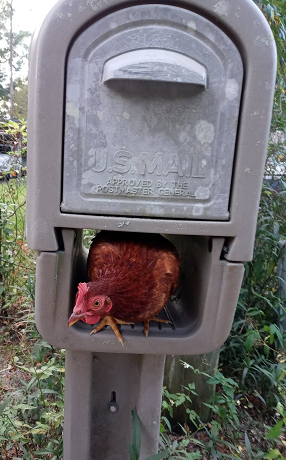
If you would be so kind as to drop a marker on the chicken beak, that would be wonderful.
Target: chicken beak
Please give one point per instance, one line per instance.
(75, 318)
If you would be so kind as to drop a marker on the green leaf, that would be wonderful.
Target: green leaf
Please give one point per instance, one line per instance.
(136, 434)
(48, 391)
(25, 407)
(167, 423)
(280, 408)
(193, 455)
(45, 452)
(232, 382)
(250, 340)
(196, 441)
(193, 416)
(222, 412)
(275, 431)
(180, 400)
(37, 439)
(274, 330)
(132, 453)
(192, 386)
(4, 405)
(274, 453)
(247, 444)
(212, 406)
(159, 456)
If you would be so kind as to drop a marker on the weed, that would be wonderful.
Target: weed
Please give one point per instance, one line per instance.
(31, 416)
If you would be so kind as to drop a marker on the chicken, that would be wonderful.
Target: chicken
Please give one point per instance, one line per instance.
(131, 276)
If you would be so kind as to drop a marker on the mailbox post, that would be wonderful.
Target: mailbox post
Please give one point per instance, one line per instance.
(145, 118)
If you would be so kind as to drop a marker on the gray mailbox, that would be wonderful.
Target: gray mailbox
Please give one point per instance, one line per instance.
(144, 118)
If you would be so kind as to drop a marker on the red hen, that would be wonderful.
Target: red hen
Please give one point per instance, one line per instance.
(131, 277)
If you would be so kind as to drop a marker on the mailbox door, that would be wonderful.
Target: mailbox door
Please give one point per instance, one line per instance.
(200, 314)
(152, 104)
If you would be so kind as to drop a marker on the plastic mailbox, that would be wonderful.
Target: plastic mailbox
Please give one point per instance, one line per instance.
(145, 118)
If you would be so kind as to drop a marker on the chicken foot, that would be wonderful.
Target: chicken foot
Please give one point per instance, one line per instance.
(158, 320)
(112, 322)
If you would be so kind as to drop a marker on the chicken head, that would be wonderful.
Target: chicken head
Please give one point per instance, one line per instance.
(89, 306)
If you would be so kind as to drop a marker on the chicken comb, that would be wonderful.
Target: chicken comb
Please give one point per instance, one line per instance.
(82, 288)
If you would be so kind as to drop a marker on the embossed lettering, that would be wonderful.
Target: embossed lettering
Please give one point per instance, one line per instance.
(121, 159)
(186, 165)
(173, 166)
(195, 168)
(178, 184)
(157, 164)
(161, 183)
(151, 165)
(176, 192)
(100, 160)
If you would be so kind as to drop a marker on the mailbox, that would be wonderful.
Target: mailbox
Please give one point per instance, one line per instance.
(148, 118)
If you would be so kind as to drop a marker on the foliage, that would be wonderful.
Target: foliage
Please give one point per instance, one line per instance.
(16, 266)
(170, 450)
(256, 346)
(5, 13)
(21, 98)
(31, 411)
(15, 135)
(9, 39)
(174, 449)
(233, 431)
(275, 13)
(31, 417)
(88, 236)
(4, 89)
(254, 354)
(177, 399)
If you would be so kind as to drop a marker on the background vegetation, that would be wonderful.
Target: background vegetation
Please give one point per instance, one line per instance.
(13, 51)
(249, 405)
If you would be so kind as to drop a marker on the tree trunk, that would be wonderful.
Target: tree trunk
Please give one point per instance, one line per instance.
(176, 376)
(11, 62)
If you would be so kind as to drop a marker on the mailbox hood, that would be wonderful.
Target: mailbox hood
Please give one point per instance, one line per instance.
(151, 116)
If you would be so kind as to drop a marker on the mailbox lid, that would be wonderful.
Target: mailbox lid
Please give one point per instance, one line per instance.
(152, 104)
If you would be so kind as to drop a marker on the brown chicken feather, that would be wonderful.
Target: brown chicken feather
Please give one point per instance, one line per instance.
(137, 273)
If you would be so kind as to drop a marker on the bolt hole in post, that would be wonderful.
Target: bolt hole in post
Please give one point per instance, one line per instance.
(113, 406)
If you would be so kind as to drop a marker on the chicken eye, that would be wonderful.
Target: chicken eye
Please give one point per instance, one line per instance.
(96, 303)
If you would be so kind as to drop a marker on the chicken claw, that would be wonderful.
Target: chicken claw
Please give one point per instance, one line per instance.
(112, 322)
(158, 320)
